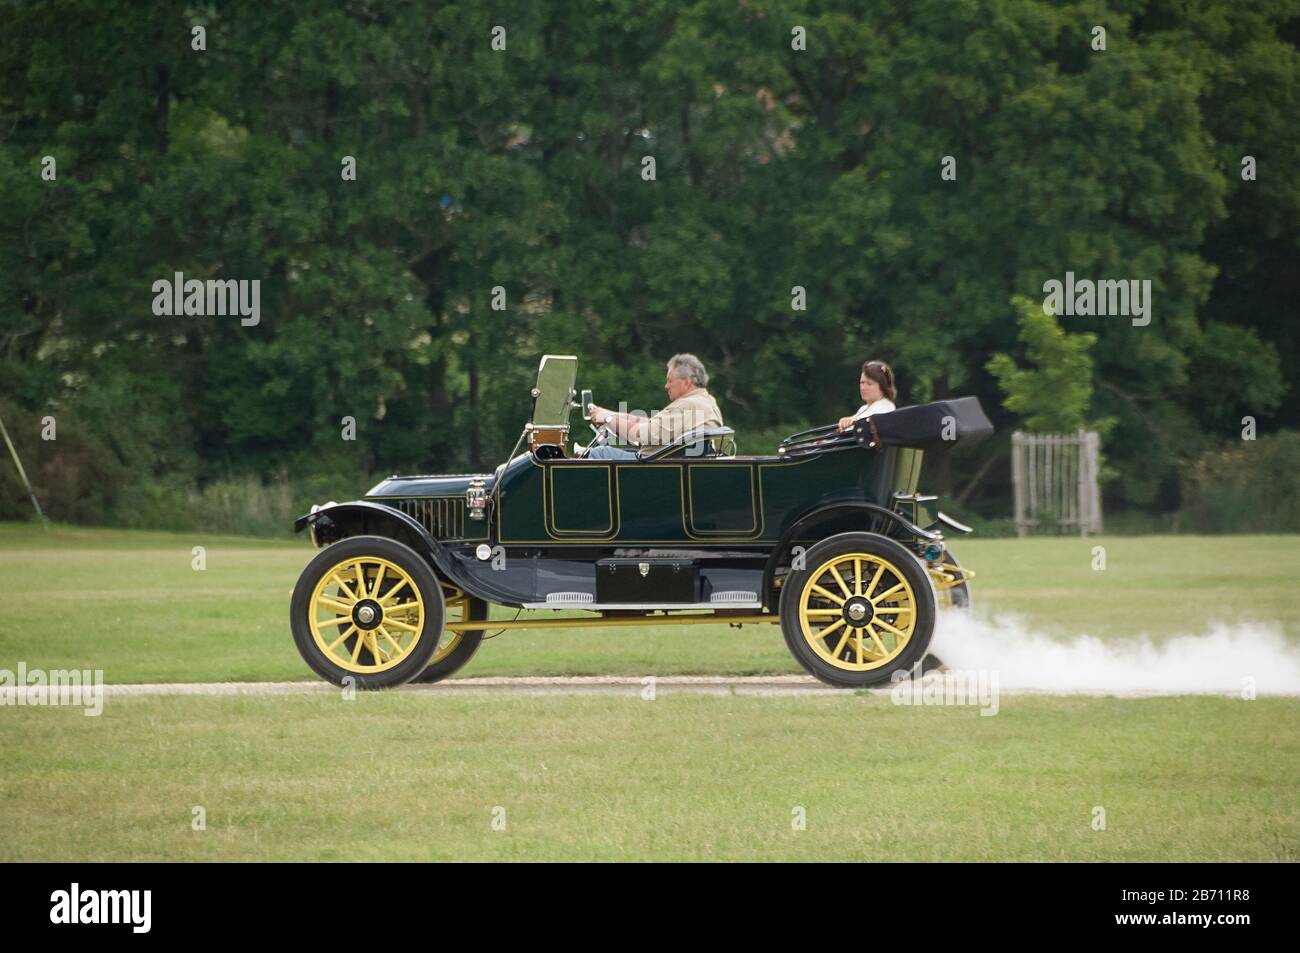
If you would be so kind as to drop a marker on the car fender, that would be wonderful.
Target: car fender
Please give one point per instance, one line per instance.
(829, 520)
(363, 518)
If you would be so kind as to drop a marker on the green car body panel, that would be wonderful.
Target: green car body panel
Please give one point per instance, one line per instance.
(680, 501)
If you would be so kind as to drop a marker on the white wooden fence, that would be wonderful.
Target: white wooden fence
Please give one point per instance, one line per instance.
(1055, 478)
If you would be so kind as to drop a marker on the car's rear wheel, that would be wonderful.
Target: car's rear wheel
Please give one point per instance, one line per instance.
(860, 610)
(369, 609)
(456, 648)
(951, 592)
(951, 583)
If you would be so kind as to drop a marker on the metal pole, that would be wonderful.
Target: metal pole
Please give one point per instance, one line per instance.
(1018, 479)
(23, 473)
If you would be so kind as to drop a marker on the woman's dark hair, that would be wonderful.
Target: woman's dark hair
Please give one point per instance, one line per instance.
(882, 374)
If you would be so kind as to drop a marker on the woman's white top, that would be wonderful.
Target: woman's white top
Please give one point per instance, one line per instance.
(882, 406)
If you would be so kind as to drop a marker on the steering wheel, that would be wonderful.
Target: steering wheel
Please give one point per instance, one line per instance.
(603, 435)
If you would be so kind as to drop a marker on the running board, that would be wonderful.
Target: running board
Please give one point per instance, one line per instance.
(726, 599)
(745, 604)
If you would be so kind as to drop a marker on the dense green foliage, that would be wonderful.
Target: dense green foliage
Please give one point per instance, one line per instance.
(522, 168)
(1246, 488)
(1053, 395)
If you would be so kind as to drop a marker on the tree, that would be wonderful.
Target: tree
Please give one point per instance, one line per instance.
(1053, 392)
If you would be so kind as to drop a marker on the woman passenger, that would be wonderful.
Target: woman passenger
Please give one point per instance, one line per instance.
(876, 387)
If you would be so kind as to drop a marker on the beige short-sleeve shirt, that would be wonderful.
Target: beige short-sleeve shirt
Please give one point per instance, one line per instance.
(693, 411)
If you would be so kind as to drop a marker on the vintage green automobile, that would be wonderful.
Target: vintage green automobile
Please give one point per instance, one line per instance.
(827, 537)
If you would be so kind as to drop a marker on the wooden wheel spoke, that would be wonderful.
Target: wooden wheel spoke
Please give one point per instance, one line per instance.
(875, 580)
(828, 629)
(827, 594)
(344, 586)
(839, 647)
(337, 642)
(334, 605)
(888, 592)
(337, 620)
(840, 581)
(899, 633)
(398, 623)
(397, 646)
(875, 637)
(392, 592)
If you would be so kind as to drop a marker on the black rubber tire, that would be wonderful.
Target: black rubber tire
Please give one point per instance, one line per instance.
(463, 652)
(422, 576)
(841, 545)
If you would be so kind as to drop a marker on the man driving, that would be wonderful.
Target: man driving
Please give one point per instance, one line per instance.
(691, 408)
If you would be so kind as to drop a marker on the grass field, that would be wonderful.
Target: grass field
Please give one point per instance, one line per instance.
(418, 775)
(130, 603)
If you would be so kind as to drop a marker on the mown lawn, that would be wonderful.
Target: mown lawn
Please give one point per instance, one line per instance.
(130, 603)
(422, 777)
(410, 776)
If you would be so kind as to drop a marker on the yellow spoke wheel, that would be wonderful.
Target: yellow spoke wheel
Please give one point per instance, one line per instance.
(857, 611)
(369, 609)
(861, 609)
(367, 614)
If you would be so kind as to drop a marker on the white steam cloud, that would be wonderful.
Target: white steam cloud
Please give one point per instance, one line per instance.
(1219, 661)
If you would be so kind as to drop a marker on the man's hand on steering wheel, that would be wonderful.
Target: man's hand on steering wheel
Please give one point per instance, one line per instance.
(596, 417)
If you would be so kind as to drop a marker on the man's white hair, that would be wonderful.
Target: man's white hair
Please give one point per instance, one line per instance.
(688, 367)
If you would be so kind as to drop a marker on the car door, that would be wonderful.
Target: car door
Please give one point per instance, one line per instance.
(722, 500)
(580, 501)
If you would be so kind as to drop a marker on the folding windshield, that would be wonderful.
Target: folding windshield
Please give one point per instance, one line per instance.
(553, 396)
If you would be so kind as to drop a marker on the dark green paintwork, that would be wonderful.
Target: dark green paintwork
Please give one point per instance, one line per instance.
(682, 501)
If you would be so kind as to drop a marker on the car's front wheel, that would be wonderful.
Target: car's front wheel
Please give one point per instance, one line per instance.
(367, 608)
(861, 609)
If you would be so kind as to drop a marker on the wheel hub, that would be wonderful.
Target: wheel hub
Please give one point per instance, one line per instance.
(367, 614)
(858, 611)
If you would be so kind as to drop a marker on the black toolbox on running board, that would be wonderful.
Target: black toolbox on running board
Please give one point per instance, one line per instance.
(654, 580)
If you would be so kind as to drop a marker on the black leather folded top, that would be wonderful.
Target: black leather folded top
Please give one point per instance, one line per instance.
(943, 425)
